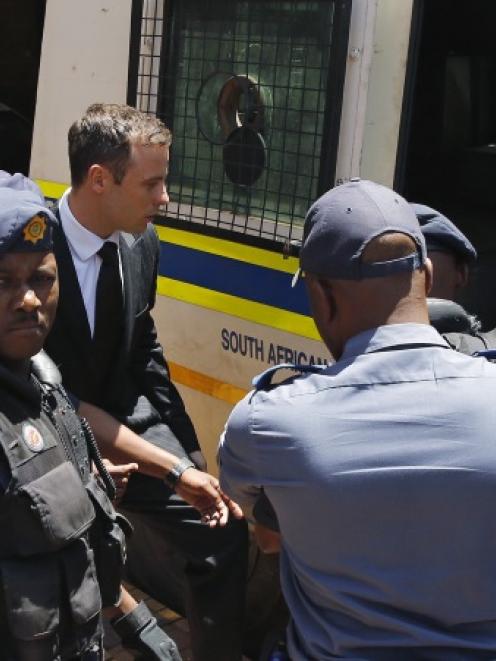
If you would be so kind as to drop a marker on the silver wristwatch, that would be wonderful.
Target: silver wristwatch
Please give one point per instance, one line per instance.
(174, 475)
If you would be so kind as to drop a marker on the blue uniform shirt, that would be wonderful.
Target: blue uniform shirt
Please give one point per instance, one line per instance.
(382, 473)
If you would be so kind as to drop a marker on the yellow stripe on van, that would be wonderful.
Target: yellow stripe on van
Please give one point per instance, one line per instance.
(290, 322)
(230, 249)
(52, 189)
(206, 384)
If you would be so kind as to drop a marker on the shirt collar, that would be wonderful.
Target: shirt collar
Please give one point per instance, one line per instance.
(390, 336)
(83, 243)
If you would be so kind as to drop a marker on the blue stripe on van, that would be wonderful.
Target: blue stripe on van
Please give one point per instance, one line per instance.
(230, 276)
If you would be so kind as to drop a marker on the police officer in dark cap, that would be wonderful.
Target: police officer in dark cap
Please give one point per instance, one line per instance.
(61, 545)
(449, 250)
(452, 255)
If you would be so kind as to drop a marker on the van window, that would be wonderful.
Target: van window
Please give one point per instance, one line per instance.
(252, 92)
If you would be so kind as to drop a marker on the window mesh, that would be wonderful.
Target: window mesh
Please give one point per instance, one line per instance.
(244, 86)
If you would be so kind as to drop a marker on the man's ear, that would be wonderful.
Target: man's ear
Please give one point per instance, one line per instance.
(322, 299)
(429, 276)
(98, 178)
(462, 272)
(330, 299)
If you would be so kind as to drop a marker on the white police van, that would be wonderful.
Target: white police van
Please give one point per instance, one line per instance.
(270, 102)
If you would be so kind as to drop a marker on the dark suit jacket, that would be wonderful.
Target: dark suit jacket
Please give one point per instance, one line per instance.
(139, 391)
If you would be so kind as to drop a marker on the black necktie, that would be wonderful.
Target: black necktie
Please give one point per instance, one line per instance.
(108, 309)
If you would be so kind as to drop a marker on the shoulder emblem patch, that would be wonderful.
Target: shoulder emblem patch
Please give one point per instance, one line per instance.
(32, 438)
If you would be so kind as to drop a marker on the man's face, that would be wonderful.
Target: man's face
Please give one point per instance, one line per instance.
(130, 205)
(28, 302)
(449, 275)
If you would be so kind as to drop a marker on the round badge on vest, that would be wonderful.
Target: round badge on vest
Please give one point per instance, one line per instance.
(32, 438)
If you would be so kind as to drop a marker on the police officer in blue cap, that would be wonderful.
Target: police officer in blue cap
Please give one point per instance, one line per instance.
(381, 467)
(56, 519)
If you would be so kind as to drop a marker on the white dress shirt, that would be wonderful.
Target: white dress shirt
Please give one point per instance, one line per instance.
(84, 246)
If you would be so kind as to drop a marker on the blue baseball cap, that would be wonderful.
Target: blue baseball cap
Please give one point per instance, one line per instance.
(442, 235)
(341, 224)
(25, 220)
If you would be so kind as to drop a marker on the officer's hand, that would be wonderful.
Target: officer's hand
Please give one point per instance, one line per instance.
(120, 474)
(198, 459)
(203, 492)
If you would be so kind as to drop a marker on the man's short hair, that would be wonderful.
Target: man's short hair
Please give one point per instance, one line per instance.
(104, 135)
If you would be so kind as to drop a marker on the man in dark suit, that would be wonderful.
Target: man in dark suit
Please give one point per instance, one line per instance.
(105, 343)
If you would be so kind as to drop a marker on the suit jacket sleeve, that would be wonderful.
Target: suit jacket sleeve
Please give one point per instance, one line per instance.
(150, 369)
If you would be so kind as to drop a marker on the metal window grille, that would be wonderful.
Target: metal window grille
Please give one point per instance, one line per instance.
(252, 92)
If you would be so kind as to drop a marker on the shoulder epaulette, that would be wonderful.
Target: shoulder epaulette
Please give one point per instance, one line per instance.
(264, 380)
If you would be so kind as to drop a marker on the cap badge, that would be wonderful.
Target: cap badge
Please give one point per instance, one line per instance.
(35, 229)
(32, 438)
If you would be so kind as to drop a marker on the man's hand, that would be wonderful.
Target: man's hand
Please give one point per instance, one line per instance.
(120, 474)
(203, 492)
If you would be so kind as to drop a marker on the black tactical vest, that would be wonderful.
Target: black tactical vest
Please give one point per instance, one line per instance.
(459, 329)
(49, 512)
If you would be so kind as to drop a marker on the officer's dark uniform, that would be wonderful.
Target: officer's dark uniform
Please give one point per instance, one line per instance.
(51, 597)
(61, 547)
(460, 329)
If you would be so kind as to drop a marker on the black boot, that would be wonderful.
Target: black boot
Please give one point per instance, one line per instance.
(140, 632)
